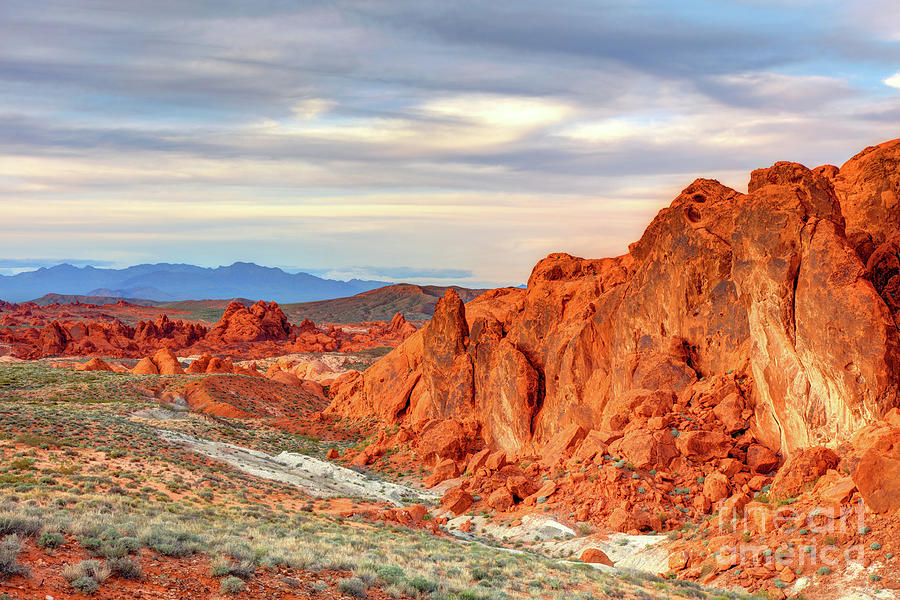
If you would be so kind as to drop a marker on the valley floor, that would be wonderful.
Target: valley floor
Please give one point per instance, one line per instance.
(105, 493)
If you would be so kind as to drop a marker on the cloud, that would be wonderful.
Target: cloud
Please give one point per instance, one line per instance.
(469, 139)
(311, 108)
(893, 81)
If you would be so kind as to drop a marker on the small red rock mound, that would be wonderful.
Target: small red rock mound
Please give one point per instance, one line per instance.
(213, 364)
(595, 555)
(164, 362)
(802, 470)
(95, 364)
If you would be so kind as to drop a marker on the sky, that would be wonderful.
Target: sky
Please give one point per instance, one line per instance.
(416, 140)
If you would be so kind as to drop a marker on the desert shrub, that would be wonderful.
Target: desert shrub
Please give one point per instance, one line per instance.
(126, 567)
(51, 539)
(231, 585)
(12, 523)
(353, 586)
(86, 576)
(222, 567)
(422, 584)
(94, 569)
(85, 585)
(10, 546)
(391, 573)
(177, 544)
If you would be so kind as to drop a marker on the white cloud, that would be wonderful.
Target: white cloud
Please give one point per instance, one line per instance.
(311, 108)
(500, 111)
(893, 81)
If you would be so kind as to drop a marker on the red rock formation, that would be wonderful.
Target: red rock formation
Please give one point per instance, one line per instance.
(95, 364)
(164, 362)
(595, 555)
(877, 472)
(868, 187)
(264, 321)
(261, 330)
(764, 284)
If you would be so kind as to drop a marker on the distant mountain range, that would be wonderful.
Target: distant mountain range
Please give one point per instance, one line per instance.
(164, 282)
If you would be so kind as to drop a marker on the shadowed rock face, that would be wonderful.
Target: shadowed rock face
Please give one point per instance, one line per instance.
(765, 284)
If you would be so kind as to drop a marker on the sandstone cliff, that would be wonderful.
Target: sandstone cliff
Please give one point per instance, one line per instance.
(790, 289)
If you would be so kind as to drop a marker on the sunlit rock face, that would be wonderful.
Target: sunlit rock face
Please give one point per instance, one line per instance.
(789, 288)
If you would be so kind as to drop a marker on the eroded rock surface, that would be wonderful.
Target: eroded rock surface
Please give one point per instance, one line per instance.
(766, 285)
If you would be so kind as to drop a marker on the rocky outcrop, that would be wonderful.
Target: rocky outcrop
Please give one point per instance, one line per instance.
(767, 286)
(107, 338)
(877, 464)
(264, 321)
(258, 331)
(868, 187)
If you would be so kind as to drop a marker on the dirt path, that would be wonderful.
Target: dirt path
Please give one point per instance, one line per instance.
(316, 477)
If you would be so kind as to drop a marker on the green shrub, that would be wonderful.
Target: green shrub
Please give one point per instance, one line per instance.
(391, 573)
(126, 567)
(231, 585)
(221, 567)
(173, 543)
(85, 585)
(354, 586)
(51, 539)
(422, 584)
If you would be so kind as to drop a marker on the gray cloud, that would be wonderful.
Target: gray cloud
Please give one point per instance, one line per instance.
(139, 122)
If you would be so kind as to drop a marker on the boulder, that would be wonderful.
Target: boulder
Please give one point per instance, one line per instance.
(501, 499)
(646, 449)
(760, 459)
(520, 486)
(877, 474)
(563, 443)
(730, 412)
(596, 556)
(703, 446)
(716, 487)
(445, 438)
(495, 461)
(800, 472)
(445, 469)
(621, 520)
(457, 500)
